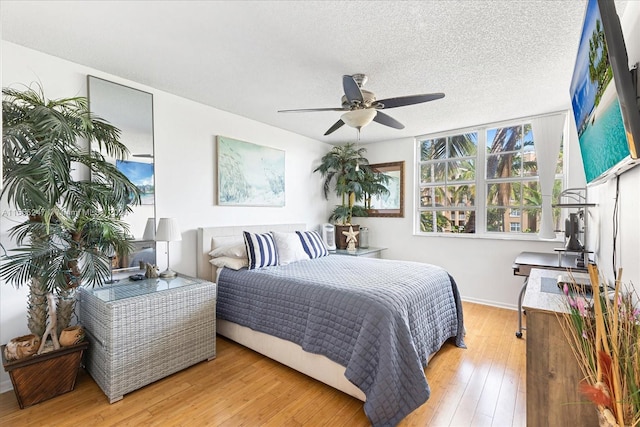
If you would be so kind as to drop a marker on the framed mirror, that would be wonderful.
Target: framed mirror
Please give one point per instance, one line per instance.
(390, 204)
(131, 111)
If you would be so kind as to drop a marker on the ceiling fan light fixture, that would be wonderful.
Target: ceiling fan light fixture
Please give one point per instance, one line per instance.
(359, 118)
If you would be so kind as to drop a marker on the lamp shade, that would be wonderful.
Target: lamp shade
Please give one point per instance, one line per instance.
(168, 230)
(359, 118)
(150, 230)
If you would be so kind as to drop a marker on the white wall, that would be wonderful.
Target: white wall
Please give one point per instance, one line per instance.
(185, 167)
(628, 245)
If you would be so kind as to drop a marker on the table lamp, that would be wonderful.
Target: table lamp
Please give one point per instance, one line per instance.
(150, 230)
(168, 232)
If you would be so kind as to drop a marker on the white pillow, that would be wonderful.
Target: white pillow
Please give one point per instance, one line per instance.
(232, 263)
(289, 248)
(237, 250)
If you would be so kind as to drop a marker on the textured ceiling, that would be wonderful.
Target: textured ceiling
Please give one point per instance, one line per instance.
(494, 60)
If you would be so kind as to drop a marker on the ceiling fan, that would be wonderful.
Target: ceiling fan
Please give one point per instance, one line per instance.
(361, 106)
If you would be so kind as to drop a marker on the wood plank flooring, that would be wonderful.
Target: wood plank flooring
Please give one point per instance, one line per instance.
(481, 385)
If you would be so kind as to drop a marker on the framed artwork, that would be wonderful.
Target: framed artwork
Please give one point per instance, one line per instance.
(141, 175)
(249, 174)
(392, 203)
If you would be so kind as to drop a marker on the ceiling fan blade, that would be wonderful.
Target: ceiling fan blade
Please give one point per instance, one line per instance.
(401, 101)
(337, 125)
(351, 89)
(387, 120)
(306, 110)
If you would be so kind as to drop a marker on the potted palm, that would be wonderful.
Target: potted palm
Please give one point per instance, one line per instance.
(72, 223)
(346, 172)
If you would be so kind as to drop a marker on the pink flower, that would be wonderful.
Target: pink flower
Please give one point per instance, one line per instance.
(581, 307)
(565, 289)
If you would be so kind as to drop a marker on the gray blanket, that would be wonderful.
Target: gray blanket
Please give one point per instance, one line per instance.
(381, 319)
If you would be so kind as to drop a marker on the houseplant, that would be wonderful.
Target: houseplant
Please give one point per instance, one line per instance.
(604, 334)
(344, 170)
(73, 220)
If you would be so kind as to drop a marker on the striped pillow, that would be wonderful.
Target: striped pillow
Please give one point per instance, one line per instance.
(312, 244)
(261, 250)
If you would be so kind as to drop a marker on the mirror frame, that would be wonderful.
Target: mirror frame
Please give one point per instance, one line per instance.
(140, 244)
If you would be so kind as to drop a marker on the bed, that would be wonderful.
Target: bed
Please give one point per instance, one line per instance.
(377, 333)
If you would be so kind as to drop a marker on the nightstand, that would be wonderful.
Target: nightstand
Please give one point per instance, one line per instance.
(370, 252)
(144, 330)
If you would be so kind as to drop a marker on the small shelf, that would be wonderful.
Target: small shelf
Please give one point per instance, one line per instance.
(574, 251)
(574, 205)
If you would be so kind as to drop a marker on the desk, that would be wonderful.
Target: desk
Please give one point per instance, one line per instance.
(525, 261)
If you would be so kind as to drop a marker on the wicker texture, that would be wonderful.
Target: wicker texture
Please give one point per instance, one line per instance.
(140, 339)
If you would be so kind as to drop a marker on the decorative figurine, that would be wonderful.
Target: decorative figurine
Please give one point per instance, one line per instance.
(151, 271)
(24, 346)
(351, 239)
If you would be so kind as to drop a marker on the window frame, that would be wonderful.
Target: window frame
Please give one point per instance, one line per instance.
(481, 182)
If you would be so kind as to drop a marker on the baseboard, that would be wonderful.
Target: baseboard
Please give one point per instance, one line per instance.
(491, 303)
(5, 386)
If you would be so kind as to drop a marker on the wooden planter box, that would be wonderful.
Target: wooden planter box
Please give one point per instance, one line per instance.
(38, 378)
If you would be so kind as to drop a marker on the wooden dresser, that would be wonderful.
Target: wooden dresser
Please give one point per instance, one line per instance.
(553, 373)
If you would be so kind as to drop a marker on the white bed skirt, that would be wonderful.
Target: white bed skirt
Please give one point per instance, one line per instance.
(288, 353)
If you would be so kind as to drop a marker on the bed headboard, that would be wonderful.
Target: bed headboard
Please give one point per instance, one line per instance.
(207, 234)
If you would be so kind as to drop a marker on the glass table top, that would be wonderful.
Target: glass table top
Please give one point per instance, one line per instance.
(127, 288)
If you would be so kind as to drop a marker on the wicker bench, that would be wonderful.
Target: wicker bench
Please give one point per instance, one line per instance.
(142, 331)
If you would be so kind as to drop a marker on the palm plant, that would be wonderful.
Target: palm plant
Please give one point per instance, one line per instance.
(72, 224)
(373, 183)
(344, 167)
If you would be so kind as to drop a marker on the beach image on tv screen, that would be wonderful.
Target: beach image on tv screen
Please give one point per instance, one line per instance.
(595, 103)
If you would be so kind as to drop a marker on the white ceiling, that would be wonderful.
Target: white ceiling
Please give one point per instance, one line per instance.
(494, 60)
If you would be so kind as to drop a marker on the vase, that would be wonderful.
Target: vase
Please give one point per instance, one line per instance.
(71, 335)
(20, 347)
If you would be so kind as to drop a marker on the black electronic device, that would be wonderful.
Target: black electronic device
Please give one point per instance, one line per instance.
(136, 277)
(572, 233)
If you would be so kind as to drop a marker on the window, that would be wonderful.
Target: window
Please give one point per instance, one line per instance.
(448, 183)
(512, 178)
(496, 189)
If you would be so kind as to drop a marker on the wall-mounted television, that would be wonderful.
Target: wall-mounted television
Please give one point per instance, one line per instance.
(603, 96)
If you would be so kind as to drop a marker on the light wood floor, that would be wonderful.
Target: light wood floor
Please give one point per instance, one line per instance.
(481, 385)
